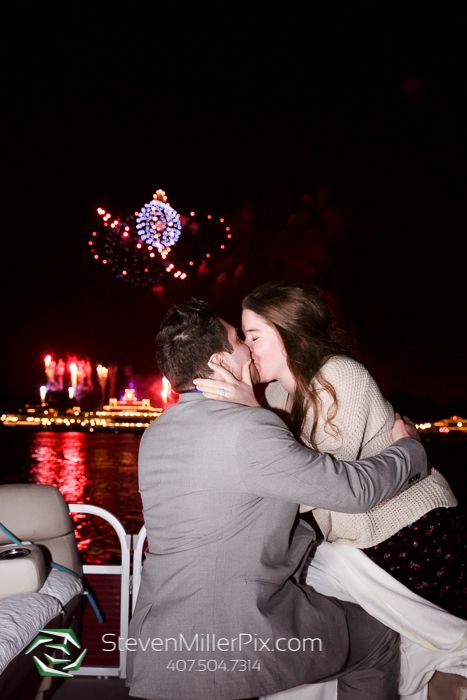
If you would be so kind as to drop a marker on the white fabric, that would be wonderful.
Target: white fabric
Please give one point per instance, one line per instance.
(62, 586)
(23, 615)
(350, 575)
(317, 691)
(431, 639)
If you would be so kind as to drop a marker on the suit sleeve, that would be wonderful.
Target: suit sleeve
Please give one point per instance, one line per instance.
(273, 464)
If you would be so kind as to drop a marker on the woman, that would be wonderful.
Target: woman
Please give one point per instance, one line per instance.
(332, 404)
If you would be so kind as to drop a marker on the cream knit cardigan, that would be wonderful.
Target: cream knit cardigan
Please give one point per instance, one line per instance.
(364, 420)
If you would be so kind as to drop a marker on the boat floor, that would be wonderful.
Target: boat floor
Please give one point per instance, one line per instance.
(92, 688)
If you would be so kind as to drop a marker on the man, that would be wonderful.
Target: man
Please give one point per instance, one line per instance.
(220, 614)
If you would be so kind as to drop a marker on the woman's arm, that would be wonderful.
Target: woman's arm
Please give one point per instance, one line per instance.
(359, 426)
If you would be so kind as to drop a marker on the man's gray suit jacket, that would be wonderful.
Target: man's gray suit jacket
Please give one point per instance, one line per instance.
(220, 484)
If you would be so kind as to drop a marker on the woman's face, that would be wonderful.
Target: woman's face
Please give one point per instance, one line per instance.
(266, 346)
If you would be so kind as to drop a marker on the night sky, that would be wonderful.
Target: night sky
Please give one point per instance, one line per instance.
(332, 146)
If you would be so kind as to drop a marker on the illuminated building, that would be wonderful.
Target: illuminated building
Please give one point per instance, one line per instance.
(454, 424)
(127, 415)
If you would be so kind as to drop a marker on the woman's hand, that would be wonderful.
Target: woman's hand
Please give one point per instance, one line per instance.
(403, 427)
(225, 387)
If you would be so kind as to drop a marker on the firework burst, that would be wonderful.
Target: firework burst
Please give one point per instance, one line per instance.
(140, 249)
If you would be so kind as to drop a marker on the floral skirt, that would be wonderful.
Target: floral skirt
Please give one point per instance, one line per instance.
(429, 557)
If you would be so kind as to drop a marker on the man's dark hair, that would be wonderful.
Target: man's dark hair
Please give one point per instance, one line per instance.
(187, 338)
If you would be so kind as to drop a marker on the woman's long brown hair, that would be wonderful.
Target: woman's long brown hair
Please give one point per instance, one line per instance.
(311, 336)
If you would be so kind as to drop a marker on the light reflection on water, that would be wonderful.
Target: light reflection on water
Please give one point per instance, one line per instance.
(87, 468)
(101, 469)
(60, 460)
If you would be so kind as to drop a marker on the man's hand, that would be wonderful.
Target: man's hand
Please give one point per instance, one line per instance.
(403, 428)
(225, 387)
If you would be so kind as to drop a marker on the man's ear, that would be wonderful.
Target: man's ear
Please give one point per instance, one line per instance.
(222, 359)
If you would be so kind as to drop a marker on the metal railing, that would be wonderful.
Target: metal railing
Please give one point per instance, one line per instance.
(125, 587)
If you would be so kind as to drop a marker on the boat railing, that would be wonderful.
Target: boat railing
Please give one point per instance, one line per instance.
(123, 570)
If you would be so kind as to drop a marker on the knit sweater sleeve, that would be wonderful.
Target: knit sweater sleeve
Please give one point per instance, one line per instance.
(364, 420)
(356, 426)
(361, 428)
(359, 424)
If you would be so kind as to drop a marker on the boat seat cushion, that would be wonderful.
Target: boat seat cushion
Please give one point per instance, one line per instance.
(23, 615)
(38, 513)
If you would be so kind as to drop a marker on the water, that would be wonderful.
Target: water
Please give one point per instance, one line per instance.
(101, 469)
